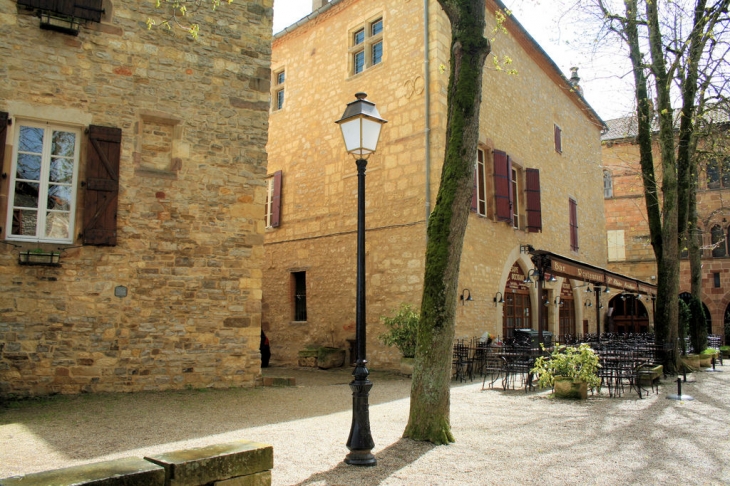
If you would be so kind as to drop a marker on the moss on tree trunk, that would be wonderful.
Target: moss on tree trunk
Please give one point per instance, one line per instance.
(430, 406)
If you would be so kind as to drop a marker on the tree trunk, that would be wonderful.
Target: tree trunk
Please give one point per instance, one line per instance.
(430, 400)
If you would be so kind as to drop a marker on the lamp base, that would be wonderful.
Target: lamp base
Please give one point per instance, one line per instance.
(360, 458)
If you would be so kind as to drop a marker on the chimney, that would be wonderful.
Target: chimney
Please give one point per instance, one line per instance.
(318, 4)
(574, 80)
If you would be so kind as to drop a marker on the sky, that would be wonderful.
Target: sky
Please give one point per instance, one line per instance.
(606, 80)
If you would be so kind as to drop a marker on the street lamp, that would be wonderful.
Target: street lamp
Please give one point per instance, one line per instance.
(360, 125)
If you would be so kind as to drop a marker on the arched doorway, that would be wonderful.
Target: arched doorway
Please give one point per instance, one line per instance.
(686, 297)
(567, 310)
(516, 313)
(627, 315)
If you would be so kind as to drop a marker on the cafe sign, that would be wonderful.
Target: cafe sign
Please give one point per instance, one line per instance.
(567, 269)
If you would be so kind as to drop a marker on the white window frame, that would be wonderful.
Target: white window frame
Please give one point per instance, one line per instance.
(269, 200)
(279, 90)
(366, 46)
(43, 182)
(481, 182)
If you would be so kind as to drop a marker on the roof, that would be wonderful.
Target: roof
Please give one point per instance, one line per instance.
(626, 127)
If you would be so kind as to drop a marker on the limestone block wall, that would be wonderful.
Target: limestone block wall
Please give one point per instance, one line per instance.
(193, 116)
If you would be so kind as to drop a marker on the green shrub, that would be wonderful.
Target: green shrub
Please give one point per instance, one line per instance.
(578, 363)
(402, 330)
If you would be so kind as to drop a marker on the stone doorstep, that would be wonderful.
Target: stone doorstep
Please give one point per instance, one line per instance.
(203, 465)
(130, 471)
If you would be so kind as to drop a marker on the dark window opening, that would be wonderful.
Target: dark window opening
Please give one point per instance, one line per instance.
(716, 278)
(300, 296)
(718, 241)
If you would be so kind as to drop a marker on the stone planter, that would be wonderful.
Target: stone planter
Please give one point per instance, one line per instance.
(706, 360)
(330, 358)
(691, 361)
(568, 388)
(406, 366)
(725, 353)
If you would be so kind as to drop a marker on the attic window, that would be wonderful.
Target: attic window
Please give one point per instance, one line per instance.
(65, 16)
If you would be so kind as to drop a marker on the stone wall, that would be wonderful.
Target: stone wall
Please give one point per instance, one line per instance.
(319, 195)
(193, 116)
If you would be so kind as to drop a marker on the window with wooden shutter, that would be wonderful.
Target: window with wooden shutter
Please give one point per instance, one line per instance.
(503, 187)
(558, 139)
(3, 183)
(534, 208)
(273, 200)
(102, 186)
(573, 207)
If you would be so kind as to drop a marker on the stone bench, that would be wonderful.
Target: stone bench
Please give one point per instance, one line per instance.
(240, 463)
(130, 471)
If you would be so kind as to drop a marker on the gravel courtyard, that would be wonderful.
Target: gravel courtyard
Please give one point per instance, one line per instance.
(501, 436)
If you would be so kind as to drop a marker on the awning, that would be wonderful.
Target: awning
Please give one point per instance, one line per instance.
(561, 266)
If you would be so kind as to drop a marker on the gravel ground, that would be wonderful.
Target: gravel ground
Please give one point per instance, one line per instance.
(501, 436)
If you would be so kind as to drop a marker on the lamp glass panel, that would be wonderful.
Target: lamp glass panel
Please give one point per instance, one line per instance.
(351, 134)
(370, 134)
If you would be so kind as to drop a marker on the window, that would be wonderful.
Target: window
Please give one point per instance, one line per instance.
(718, 174)
(717, 236)
(716, 279)
(479, 199)
(509, 181)
(515, 200)
(366, 48)
(279, 79)
(558, 134)
(573, 208)
(607, 184)
(299, 280)
(616, 246)
(273, 200)
(43, 181)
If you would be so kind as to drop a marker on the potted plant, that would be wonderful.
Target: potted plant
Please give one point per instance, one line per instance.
(725, 350)
(402, 329)
(691, 361)
(570, 370)
(706, 357)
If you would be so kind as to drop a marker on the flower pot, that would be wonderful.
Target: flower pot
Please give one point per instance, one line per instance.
(706, 360)
(691, 361)
(566, 387)
(406, 366)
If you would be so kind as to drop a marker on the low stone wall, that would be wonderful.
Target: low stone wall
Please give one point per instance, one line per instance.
(240, 463)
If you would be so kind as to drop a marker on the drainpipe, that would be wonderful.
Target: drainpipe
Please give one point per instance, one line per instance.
(427, 130)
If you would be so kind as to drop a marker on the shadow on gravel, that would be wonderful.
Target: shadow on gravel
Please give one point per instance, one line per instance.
(390, 460)
(117, 422)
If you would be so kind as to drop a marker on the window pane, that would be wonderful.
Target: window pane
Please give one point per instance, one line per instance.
(359, 62)
(359, 37)
(24, 222)
(725, 170)
(377, 53)
(718, 242)
(713, 175)
(280, 99)
(63, 143)
(62, 170)
(57, 225)
(376, 27)
(31, 140)
(26, 195)
(59, 197)
(280, 78)
(29, 167)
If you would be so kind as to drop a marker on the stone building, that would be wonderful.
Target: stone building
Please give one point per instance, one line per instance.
(132, 196)
(627, 227)
(538, 179)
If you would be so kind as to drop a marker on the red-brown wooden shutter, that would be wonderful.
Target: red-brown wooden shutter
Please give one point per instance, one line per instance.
(573, 224)
(102, 186)
(3, 135)
(502, 186)
(534, 208)
(558, 140)
(276, 201)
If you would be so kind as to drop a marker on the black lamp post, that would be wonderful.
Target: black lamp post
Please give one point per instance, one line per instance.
(360, 125)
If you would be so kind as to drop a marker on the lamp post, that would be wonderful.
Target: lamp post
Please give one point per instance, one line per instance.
(360, 125)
